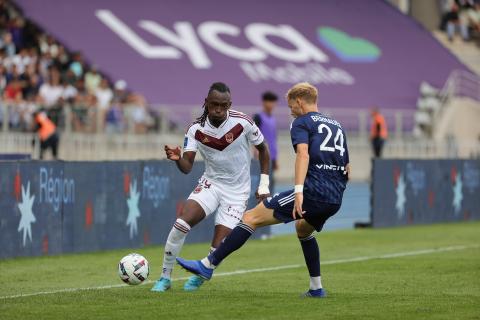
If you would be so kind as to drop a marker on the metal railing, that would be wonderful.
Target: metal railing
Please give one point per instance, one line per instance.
(165, 119)
(81, 146)
(459, 84)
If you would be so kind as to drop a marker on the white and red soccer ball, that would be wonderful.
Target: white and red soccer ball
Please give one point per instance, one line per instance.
(133, 269)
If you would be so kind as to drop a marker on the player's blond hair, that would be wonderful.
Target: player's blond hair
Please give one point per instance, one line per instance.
(304, 91)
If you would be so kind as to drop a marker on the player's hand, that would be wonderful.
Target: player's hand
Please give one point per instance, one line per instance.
(261, 197)
(348, 171)
(173, 153)
(297, 206)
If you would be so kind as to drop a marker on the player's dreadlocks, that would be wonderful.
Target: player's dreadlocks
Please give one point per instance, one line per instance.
(217, 86)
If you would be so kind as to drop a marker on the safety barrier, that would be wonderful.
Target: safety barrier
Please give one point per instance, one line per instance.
(59, 207)
(424, 191)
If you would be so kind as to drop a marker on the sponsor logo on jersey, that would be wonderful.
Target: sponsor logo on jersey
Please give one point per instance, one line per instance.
(330, 167)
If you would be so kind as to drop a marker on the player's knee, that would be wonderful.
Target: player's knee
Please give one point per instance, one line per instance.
(303, 229)
(192, 217)
(252, 219)
(186, 216)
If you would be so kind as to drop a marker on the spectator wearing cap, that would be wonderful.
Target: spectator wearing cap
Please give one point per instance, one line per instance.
(267, 124)
(120, 93)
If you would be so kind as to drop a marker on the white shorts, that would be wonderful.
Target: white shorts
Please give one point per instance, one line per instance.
(229, 203)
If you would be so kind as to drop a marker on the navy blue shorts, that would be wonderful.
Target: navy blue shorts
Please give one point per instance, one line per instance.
(316, 213)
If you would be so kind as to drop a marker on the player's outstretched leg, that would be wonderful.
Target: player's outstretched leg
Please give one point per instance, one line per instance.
(311, 252)
(257, 217)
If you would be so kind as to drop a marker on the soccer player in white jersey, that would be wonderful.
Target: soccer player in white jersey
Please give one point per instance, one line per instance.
(224, 138)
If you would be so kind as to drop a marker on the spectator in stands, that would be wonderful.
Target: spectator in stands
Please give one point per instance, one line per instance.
(22, 60)
(69, 92)
(25, 111)
(49, 76)
(138, 112)
(267, 124)
(16, 26)
(12, 72)
(114, 119)
(80, 108)
(47, 132)
(92, 80)
(13, 92)
(31, 81)
(6, 43)
(120, 94)
(77, 65)
(3, 79)
(378, 132)
(48, 46)
(52, 91)
(474, 17)
(4, 14)
(92, 114)
(104, 95)
(453, 22)
(51, 94)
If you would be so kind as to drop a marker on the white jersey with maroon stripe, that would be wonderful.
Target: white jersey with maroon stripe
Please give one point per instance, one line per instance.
(226, 149)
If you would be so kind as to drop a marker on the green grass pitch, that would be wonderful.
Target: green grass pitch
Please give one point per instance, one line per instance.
(419, 272)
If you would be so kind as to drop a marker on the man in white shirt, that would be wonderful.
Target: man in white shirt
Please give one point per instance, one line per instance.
(51, 92)
(223, 137)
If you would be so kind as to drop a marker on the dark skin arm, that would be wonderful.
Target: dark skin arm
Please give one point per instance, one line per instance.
(184, 163)
(264, 158)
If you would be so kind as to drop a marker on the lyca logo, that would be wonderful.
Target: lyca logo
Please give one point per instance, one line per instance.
(185, 40)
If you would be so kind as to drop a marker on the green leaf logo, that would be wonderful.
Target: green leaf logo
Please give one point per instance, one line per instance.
(346, 47)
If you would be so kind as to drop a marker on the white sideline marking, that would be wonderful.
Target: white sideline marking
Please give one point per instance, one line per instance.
(232, 273)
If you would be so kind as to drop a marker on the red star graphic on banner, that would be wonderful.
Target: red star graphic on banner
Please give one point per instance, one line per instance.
(88, 215)
(45, 244)
(126, 182)
(453, 174)
(17, 186)
(431, 198)
(396, 175)
(410, 217)
(146, 237)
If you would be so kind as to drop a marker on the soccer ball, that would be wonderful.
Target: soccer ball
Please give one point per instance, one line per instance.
(133, 269)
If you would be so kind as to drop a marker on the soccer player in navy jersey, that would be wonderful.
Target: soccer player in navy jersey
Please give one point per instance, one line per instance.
(321, 174)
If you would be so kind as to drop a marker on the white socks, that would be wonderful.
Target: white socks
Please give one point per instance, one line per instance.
(315, 283)
(174, 244)
(206, 262)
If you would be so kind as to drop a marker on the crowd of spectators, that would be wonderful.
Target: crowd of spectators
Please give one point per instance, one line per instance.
(39, 73)
(463, 17)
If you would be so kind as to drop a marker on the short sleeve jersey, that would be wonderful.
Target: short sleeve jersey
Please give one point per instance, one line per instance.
(327, 147)
(226, 149)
